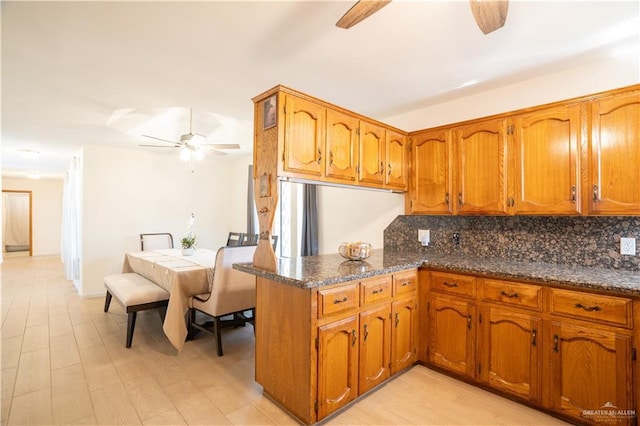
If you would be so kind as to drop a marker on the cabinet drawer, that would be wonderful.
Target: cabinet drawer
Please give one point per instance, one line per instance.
(511, 293)
(461, 285)
(375, 289)
(337, 300)
(605, 309)
(405, 282)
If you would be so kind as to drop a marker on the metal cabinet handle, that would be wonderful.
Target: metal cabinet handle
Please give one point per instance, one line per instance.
(573, 194)
(389, 167)
(336, 301)
(319, 155)
(446, 198)
(366, 332)
(509, 295)
(354, 337)
(381, 167)
(595, 308)
(469, 321)
(330, 158)
(555, 343)
(534, 337)
(397, 320)
(460, 198)
(450, 285)
(405, 283)
(377, 291)
(595, 192)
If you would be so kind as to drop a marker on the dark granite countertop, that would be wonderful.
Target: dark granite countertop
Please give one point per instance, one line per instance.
(317, 271)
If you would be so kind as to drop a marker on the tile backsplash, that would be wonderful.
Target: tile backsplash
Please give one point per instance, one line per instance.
(580, 241)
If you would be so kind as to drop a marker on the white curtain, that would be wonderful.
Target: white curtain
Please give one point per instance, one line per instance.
(70, 244)
(15, 223)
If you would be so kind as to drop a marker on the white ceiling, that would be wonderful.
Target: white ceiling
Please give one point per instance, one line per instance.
(67, 67)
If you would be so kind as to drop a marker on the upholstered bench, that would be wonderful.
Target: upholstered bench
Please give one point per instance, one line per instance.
(135, 293)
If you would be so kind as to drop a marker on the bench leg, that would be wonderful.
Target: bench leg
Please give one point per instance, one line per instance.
(131, 324)
(216, 325)
(107, 301)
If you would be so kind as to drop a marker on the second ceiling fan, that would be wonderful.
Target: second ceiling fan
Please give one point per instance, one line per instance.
(489, 15)
(192, 145)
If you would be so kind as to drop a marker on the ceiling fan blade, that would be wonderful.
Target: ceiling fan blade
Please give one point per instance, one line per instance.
(489, 15)
(222, 145)
(360, 11)
(163, 140)
(219, 153)
(158, 146)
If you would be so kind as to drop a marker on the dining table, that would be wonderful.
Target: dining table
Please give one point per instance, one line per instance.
(182, 276)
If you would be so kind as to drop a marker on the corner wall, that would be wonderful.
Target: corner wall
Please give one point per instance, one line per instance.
(128, 192)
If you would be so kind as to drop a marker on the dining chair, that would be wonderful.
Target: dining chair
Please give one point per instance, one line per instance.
(161, 240)
(231, 295)
(235, 239)
(250, 240)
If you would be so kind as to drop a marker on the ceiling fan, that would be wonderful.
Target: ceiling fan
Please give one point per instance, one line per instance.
(192, 145)
(490, 15)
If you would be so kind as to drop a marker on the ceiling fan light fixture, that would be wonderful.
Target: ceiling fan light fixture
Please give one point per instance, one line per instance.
(198, 154)
(185, 154)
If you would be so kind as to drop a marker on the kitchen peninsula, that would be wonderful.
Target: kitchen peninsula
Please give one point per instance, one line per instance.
(318, 314)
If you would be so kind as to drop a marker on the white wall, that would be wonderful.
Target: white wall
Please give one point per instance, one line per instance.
(46, 196)
(128, 192)
(594, 77)
(347, 215)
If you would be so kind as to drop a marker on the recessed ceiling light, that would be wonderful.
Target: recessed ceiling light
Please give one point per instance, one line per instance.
(28, 153)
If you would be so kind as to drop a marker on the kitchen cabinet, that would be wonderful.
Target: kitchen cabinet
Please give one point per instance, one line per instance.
(614, 155)
(481, 167)
(318, 349)
(341, 146)
(337, 365)
(590, 368)
(546, 169)
(430, 189)
(396, 160)
(372, 153)
(561, 349)
(375, 350)
(304, 137)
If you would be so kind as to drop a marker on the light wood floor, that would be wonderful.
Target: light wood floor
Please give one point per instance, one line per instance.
(64, 362)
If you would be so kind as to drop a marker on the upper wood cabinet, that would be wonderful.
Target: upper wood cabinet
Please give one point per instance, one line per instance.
(615, 155)
(546, 169)
(372, 153)
(430, 186)
(396, 155)
(304, 136)
(324, 143)
(341, 146)
(481, 167)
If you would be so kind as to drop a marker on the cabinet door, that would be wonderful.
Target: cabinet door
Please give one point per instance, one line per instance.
(342, 146)
(396, 155)
(372, 141)
(452, 334)
(337, 365)
(304, 137)
(547, 147)
(615, 155)
(482, 168)
(510, 352)
(375, 349)
(431, 179)
(404, 334)
(590, 368)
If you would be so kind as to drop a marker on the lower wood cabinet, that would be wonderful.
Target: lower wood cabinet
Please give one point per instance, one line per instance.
(590, 369)
(565, 350)
(509, 351)
(452, 333)
(359, 352)
(337, 364)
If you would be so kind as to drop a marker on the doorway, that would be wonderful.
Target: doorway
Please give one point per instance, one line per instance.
(17, 236)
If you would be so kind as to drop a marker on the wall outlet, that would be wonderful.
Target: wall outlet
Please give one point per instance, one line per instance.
(628, 246)
(424, 236)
